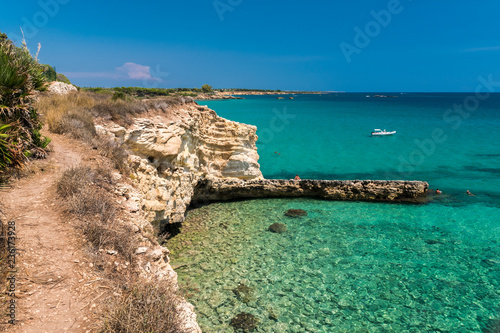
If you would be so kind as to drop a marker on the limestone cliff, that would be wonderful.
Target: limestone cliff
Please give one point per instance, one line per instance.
(172, 147)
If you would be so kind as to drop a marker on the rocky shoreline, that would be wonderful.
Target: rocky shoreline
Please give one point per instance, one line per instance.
(184, 154)
(187, 154)
(213, 190)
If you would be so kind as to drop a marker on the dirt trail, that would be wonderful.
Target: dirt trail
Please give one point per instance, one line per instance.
(56, 287)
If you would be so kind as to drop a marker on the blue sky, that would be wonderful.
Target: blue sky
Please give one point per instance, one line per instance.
(415, 45)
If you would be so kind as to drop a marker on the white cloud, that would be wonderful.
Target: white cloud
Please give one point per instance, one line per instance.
(135, 71)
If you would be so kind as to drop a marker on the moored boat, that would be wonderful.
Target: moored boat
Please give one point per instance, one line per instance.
(380, 132)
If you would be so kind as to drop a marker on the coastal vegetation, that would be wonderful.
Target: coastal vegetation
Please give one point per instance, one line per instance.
(141, 93)
(139, 305)
(21, 77)
(206, 88)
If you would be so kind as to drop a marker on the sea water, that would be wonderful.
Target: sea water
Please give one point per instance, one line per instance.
(351, 266)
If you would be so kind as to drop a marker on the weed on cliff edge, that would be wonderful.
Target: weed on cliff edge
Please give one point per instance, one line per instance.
(87, 195)
(151, 307)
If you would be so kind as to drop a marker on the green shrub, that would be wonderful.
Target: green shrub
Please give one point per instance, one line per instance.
(20, 77)
(119, 95)
(5, 147)
(62, 78)
(206, 88)
(49, 73)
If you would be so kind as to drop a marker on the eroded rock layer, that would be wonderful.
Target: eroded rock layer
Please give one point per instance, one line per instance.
(172, 147)
(212, 189)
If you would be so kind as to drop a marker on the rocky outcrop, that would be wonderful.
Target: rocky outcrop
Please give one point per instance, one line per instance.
(211, 189)
(61, 88)
(173, 148)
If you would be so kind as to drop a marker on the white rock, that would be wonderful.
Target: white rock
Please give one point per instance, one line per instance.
(141, 250)
(61, 88)
(156, 254)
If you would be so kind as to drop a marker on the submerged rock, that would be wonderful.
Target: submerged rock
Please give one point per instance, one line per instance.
(272, 314)
(278, 228)
(295, 213)
(244, 293)
(245, 322)
(490, 262)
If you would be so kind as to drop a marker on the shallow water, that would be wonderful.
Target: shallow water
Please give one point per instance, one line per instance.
(355, 267)
(345, 267)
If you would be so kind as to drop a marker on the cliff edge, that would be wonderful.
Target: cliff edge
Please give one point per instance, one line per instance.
(173, 147)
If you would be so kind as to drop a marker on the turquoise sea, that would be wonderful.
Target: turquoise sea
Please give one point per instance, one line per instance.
(356, 267)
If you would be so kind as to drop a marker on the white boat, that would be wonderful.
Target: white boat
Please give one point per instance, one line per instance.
(384, 132)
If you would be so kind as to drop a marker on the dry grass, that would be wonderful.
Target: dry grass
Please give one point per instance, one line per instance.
(119, 111)
(144, 307)
(74, 115)
(54, 108)
(114, 151)
(87, 195)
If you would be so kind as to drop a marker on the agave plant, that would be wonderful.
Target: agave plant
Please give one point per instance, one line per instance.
(20, 78)
(5, 147)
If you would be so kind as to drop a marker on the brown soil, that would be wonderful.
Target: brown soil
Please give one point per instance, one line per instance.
(57, 289)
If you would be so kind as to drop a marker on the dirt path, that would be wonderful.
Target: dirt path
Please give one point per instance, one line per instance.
(56, 287)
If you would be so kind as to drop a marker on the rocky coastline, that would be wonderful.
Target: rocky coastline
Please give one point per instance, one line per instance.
(183, 154)
(213, 190)
(186, 154)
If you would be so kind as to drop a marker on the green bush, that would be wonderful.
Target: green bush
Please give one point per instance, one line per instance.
(119, 95)
(49, 73)
(62, 78)
(206, 88)
(5, 147)
(20, 77)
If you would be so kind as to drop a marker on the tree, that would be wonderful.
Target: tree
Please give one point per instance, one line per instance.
(206, 88)
(50, 73)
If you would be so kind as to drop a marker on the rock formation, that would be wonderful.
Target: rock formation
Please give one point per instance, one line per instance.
(278, 228)
(61, 88)
(295, 213)
(186, 152)
(172, 148)
(213, 189)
